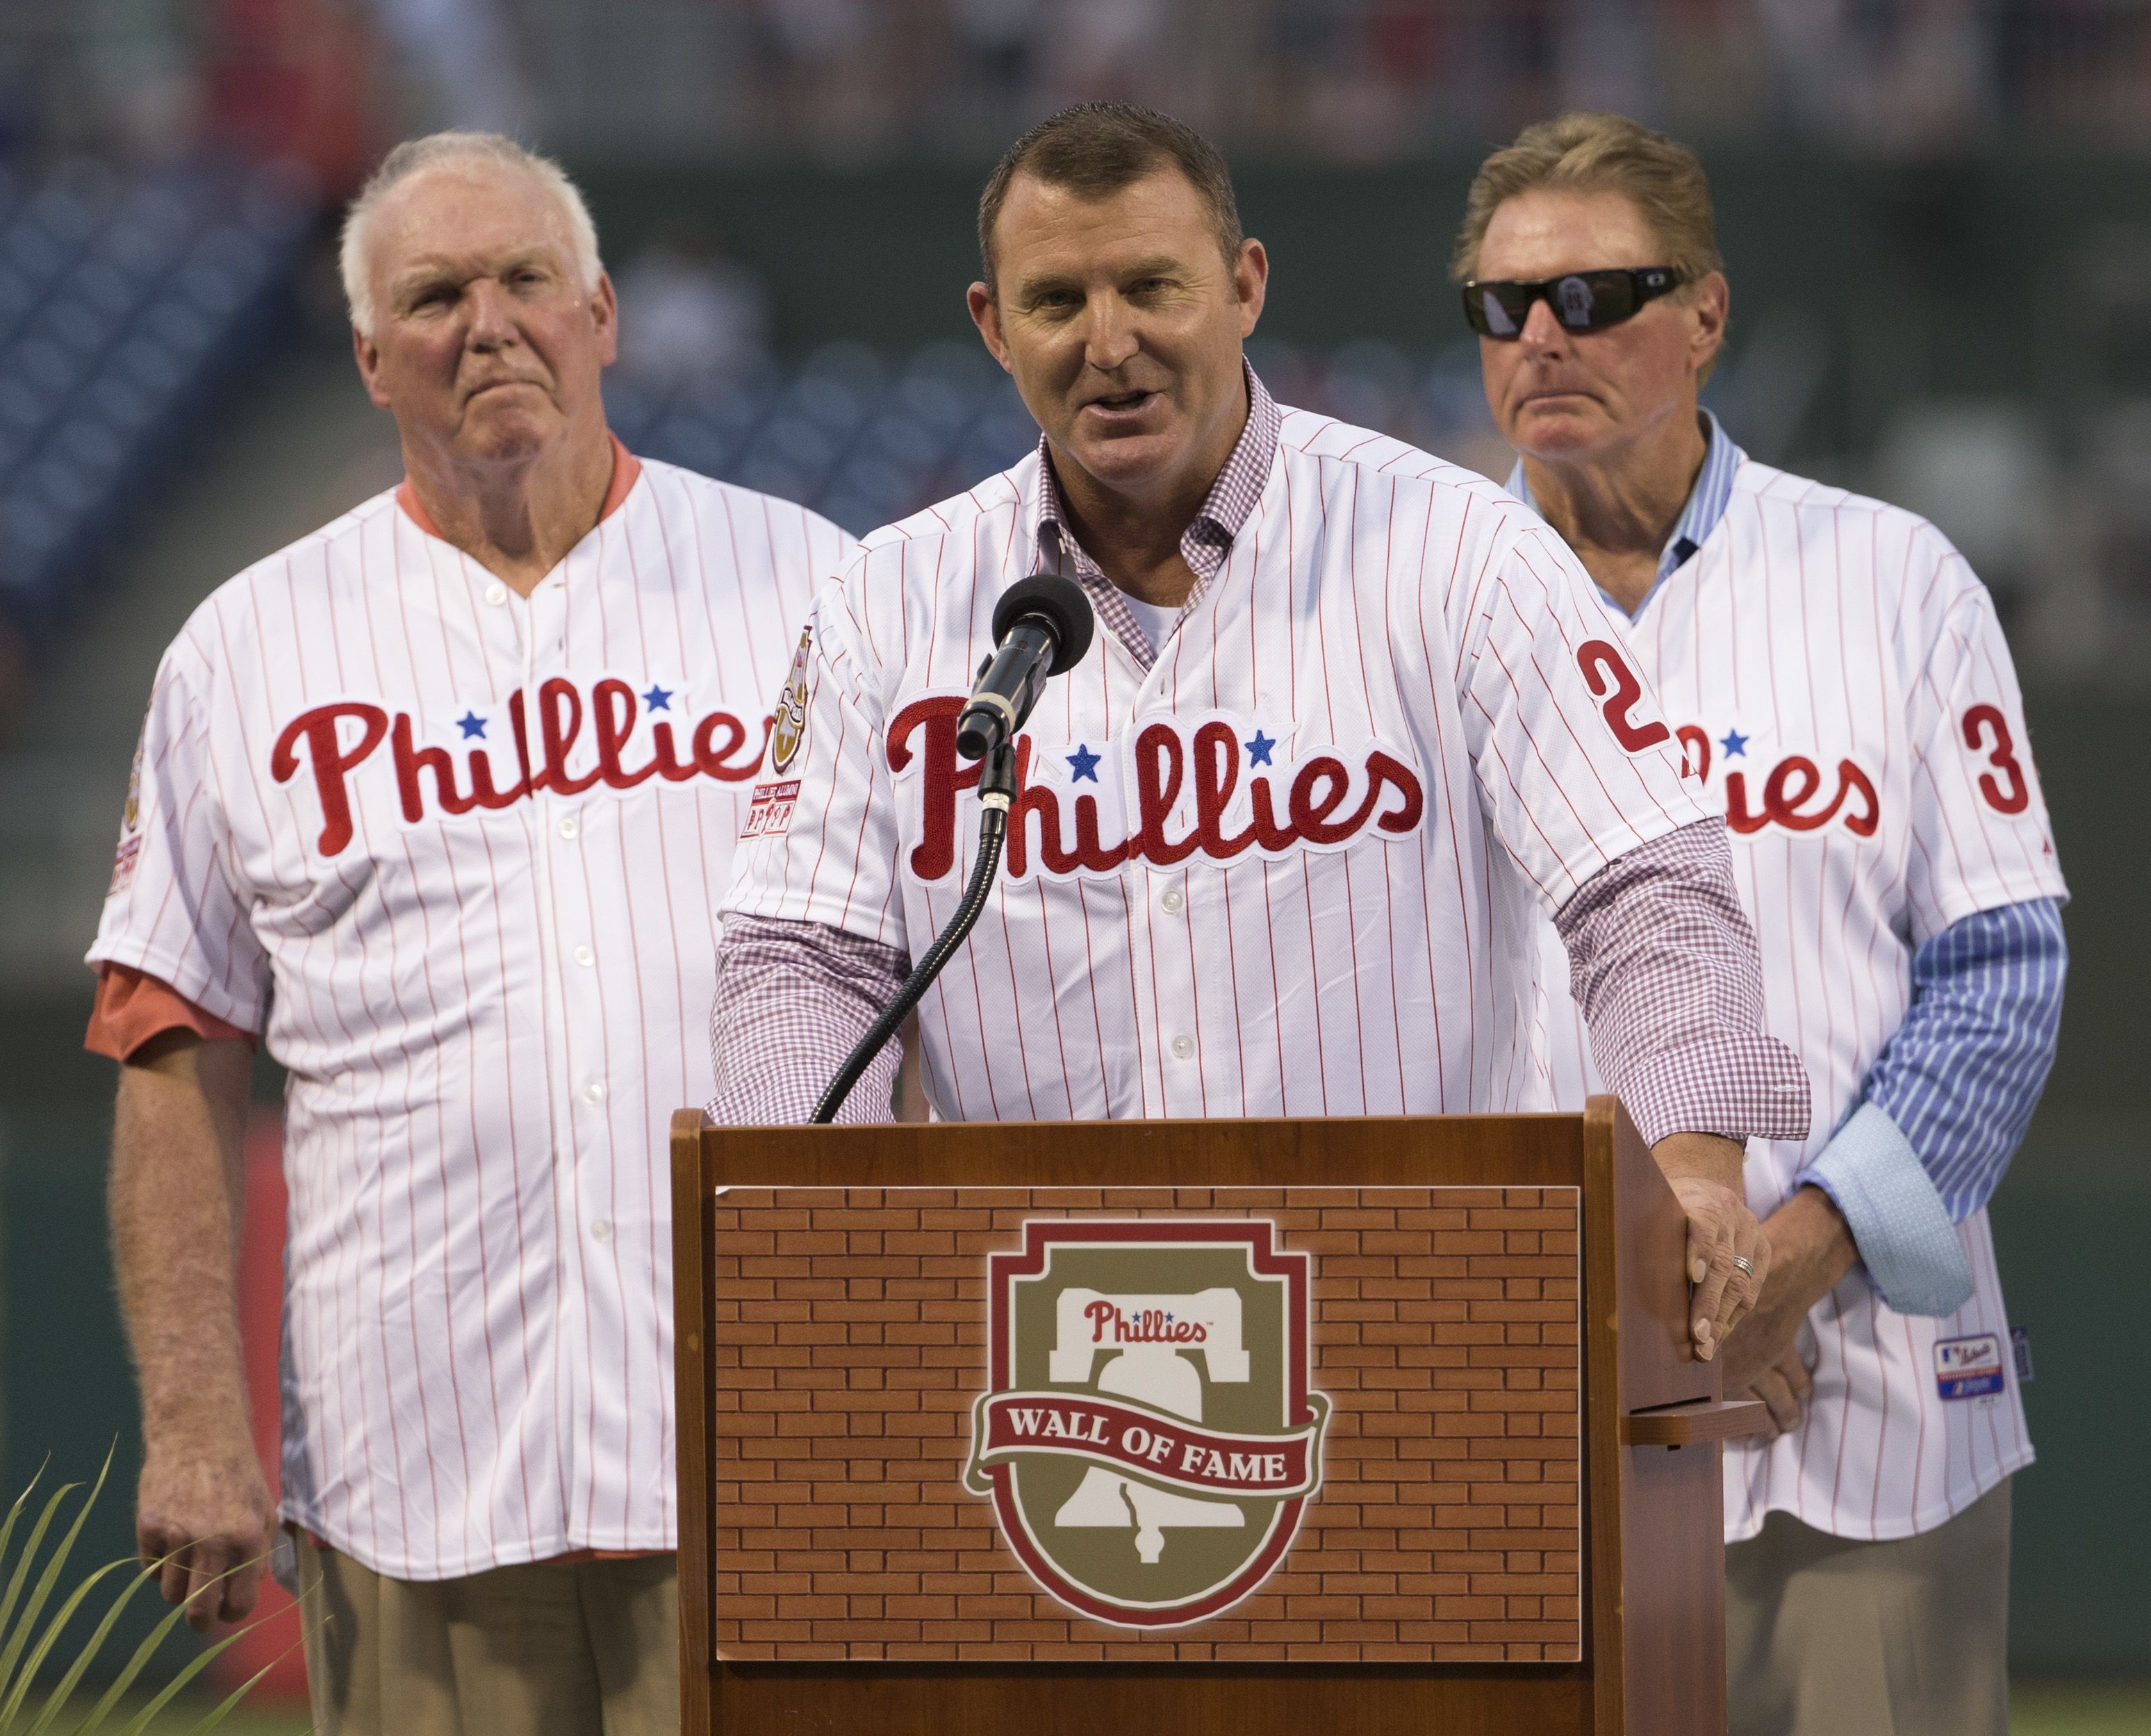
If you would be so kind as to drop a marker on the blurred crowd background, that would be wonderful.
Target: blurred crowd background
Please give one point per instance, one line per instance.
(1937, 219)
(1349, 81)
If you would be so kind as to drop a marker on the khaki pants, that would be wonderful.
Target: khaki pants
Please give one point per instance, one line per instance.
(1827, 1637)
(564, 1648)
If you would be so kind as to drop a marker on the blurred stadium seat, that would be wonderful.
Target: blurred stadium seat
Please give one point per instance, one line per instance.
(124, 302)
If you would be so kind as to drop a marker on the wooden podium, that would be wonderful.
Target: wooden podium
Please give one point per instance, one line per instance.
(1205, 1428)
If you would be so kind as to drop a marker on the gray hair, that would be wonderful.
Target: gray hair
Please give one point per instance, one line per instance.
(416, 155)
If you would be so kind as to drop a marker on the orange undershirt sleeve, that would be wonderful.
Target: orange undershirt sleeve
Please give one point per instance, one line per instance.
(132, 1007)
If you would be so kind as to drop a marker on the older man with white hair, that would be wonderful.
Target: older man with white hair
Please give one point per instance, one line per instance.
(435, 803)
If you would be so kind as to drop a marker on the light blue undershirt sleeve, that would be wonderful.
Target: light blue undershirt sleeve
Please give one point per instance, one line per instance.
(1947, 1102)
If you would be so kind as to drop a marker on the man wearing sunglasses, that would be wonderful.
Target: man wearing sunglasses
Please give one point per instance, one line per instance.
(1844, 695)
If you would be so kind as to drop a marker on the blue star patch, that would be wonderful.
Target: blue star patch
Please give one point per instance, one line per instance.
(471, 724)
(657, 699)
(1259, 750)
(1735, 744)
(1084, 763)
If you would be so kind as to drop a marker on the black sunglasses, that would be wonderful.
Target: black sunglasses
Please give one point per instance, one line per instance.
(1581, 300)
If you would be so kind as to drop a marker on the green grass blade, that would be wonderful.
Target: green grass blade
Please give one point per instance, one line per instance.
(224, 1707)
(132, 1667)
(15, 1512)
(18, 1630)
(53, 1629)
(56, 1702)
(27, 1621)
(141, 1721)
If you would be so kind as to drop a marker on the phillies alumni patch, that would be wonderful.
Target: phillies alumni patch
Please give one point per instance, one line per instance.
(1148, 1438)
(771, 809)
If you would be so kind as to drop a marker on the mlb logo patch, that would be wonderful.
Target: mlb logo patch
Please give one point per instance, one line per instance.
(770, 812)
(1969, 1368)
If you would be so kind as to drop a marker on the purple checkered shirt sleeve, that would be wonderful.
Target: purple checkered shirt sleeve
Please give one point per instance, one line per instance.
(1664, 966)
(792, 1000)
(1204, 544)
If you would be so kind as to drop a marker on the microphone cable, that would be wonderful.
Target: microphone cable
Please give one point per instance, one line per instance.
(996, 792)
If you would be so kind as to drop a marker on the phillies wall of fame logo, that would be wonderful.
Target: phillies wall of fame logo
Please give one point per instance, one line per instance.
(1148, 1439)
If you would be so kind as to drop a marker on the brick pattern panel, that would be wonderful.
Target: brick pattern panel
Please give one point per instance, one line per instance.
(851, 1342)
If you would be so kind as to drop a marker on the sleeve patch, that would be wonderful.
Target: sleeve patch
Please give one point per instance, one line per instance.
(769, 813)
(789, 730)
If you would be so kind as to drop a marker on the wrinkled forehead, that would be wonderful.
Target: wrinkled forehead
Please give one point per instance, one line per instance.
(470, 212)
(1045, 230)
(1548, 230)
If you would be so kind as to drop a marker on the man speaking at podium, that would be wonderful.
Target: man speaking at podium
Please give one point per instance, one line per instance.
(1281, 838)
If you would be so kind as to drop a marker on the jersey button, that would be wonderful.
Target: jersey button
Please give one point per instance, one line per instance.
(593, 1093)
(601, 1229)
(585, 957)
(567, 826)
(496, 594)
(1173, 902)
(1182, 1047)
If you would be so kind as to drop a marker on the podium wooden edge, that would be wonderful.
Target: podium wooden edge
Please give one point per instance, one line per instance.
(1656, 1528)
(693, 1325)
(1695, 1424)
(1638, 1683)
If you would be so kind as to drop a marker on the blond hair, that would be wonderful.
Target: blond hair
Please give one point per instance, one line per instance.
(1600, 154)
(414, 156)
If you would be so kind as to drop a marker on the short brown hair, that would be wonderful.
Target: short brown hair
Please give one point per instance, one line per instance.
(1094, 150)
(1600, 154)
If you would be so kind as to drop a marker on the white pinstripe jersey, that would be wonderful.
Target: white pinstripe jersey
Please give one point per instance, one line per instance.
(1836, 673)
(461, 850)
(1293, 869)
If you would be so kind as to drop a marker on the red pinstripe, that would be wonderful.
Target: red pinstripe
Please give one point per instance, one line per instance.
(1896, 622)
(442, 1369)
(1296, 562)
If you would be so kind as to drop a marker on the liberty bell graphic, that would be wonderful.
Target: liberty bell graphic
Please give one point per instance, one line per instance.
(1146, 1339)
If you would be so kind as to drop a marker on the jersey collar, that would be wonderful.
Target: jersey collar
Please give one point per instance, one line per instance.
(626, 467)
(1707, 502)
(1204, 544)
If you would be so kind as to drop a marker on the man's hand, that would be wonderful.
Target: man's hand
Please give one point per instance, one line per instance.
(1704, 1173)
(1810, 1250)
(1784, 1388)
(204, 1513)
(178, 1186)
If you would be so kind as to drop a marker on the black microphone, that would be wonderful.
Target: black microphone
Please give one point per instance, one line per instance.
(1042, 627)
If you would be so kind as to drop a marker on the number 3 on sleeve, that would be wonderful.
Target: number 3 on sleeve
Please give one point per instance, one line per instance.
(2016, 796)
